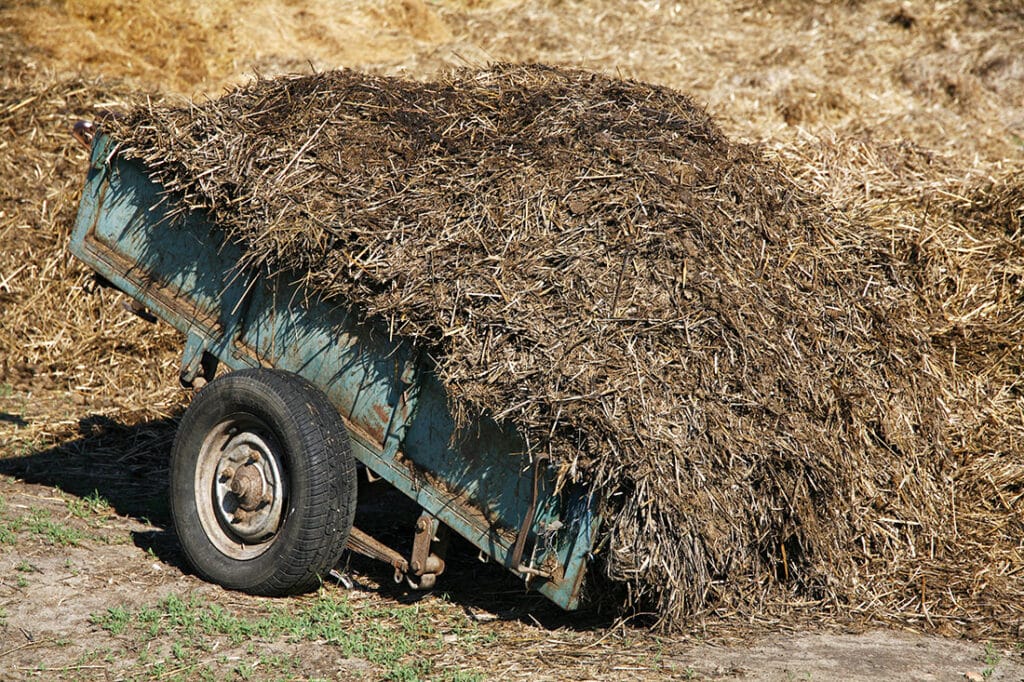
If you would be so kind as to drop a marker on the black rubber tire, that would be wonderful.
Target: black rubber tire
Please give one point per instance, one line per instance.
(319, 502)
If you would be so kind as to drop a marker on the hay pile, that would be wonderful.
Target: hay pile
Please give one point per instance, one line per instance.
(59, 343)
(958, 231)
(748, 380)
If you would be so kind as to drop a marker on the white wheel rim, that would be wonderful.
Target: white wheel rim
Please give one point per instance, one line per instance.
(240, 488)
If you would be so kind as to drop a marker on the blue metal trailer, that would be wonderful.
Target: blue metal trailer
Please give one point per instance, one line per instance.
(263, 472)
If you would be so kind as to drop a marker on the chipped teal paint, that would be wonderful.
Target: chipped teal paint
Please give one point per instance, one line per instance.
(479, 484)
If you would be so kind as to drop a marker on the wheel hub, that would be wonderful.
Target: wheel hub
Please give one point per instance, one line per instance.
(248, 485)
(247, 491)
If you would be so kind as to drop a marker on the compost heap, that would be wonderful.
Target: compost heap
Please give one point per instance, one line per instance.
(747, 379)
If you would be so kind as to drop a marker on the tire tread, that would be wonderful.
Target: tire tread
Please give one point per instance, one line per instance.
(326, 463)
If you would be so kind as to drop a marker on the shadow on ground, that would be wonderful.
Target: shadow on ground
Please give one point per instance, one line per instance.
(15, 419)
(124, 464)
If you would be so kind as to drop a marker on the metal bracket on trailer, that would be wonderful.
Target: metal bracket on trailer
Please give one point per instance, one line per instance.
(198, 365)
(428, 547)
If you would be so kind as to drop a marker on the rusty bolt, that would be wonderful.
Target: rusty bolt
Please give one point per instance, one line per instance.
(241, 516)
(415, 566)
(421, 525)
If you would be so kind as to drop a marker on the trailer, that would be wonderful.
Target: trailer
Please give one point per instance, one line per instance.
(295, 399)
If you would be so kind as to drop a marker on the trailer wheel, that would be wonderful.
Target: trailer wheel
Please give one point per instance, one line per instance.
(263, 483)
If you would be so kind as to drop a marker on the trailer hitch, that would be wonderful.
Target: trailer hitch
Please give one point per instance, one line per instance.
(83, 132)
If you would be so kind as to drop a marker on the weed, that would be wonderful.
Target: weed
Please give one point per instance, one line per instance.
(92, 504)
(206, 674)
(40, 524)
(179, 651)
(991, 659)
(92, 655)
(244, 671)
(462, 676)
(149, 616)
(22, 581)
(115, 620)
(411, 672)
(158, 669)
(280, 662)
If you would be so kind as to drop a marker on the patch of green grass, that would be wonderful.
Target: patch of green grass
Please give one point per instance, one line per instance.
(244, 671)
(463, 676)
(399, 639)
(6, 390)
(92, 504)
(8, 536)
(413, 671)
(991, 659)
(40, 523)
(115, 620)
(92, 656)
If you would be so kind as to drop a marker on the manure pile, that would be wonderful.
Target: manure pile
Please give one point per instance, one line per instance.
(746, 377)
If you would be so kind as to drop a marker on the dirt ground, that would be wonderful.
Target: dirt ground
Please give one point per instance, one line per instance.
(92, 583)
(74, 563)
